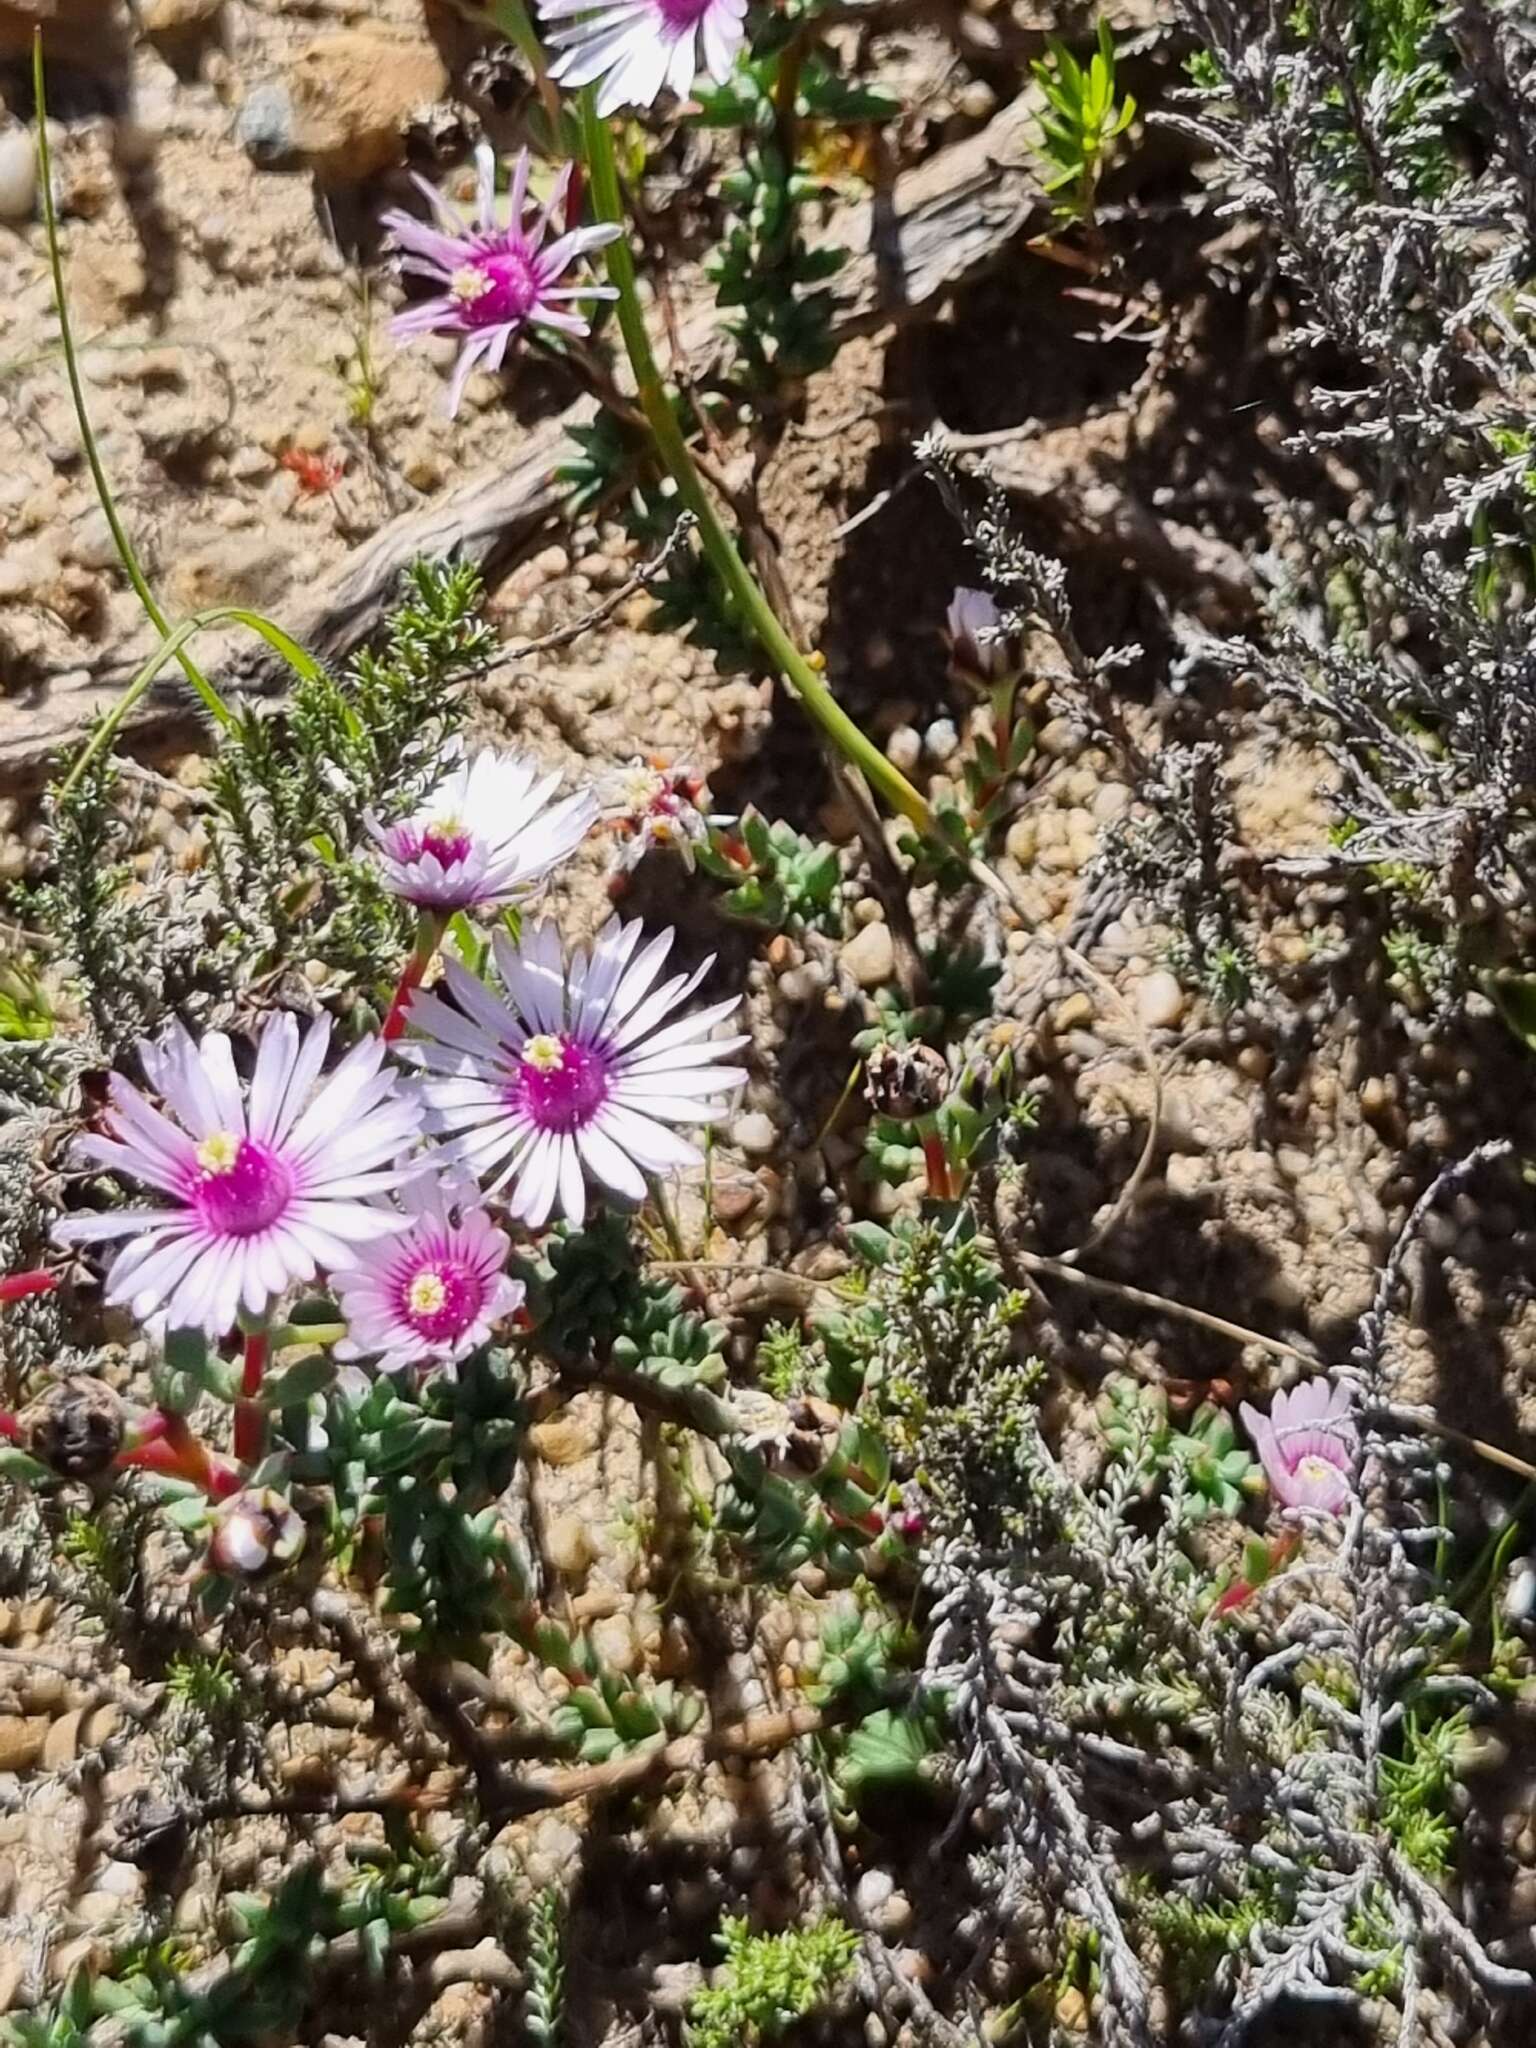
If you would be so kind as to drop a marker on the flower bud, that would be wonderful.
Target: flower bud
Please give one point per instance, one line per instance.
(981, 652)
(254, 1533)
(76, 1428)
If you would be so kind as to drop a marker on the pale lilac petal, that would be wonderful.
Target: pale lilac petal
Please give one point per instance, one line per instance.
(561, 1080)
(469, 360)
(267, 1181)
(497, 273)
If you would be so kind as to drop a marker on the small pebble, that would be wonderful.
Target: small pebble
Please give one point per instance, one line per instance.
(568, 1546)
(941, 739)
(802, 984)
(265, 126)
(892, 1920)
(1160, 1001)
(754, 1132)
(904, 748)
(18, 174)
(1076, 1011)
(1023, 841)
(870, 957)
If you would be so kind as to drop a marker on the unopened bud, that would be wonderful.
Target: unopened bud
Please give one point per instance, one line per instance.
(981, 652)
(76, 1428)
(254, 1533)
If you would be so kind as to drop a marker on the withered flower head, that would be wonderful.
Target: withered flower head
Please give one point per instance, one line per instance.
(76, 1428)
(905, 1081)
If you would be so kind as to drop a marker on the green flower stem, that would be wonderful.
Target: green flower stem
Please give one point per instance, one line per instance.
(664, 1211)
(754, 607)
(214, 703)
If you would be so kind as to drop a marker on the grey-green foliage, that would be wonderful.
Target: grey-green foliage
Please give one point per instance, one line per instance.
(544, 1999)
(1390, 147)
(110, 940)
(930, 1356)
(1299, 1746)
(288, 793)
(31, 1330)
(292, 790)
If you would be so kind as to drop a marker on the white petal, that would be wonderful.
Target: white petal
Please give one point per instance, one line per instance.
(649, 1144)
(269, 1083)
(613, 1167)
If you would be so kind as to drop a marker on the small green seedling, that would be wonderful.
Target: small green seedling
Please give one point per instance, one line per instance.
(1084, 119)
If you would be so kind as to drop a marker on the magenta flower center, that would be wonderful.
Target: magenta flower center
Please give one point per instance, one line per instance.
(451, 844)
(439, 1300)
(497, 286)
(561, 1084)
(680, 15)
(241, 1187)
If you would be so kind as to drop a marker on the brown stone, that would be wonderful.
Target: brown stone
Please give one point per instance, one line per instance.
(354, 95)
(82, 35)
(562, 1440)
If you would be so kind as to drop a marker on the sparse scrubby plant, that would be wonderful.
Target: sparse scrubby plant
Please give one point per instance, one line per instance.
(1389, 149)
(384, 1162)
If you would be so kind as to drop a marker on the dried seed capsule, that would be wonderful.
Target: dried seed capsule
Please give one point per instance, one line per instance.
(76, 1427)
(905, 1081)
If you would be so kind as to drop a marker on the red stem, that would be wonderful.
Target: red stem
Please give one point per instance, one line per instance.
(937, 1163)
(17, 1286)
(10, 1427)
(405, 988)
(166, 1445)
(250, 1417)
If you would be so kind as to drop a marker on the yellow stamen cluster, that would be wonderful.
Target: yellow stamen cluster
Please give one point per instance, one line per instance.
(544, 1054)
(427, 1293)
(468, 284)
(219, 1151)
(641, 787)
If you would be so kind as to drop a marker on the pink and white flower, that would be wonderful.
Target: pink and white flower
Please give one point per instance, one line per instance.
(656, 803)
(264, 1183)
(498, 277)
(1307, 1444)
(433, 1295)
(579, 1076)
(638, 46)
(487, 835)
